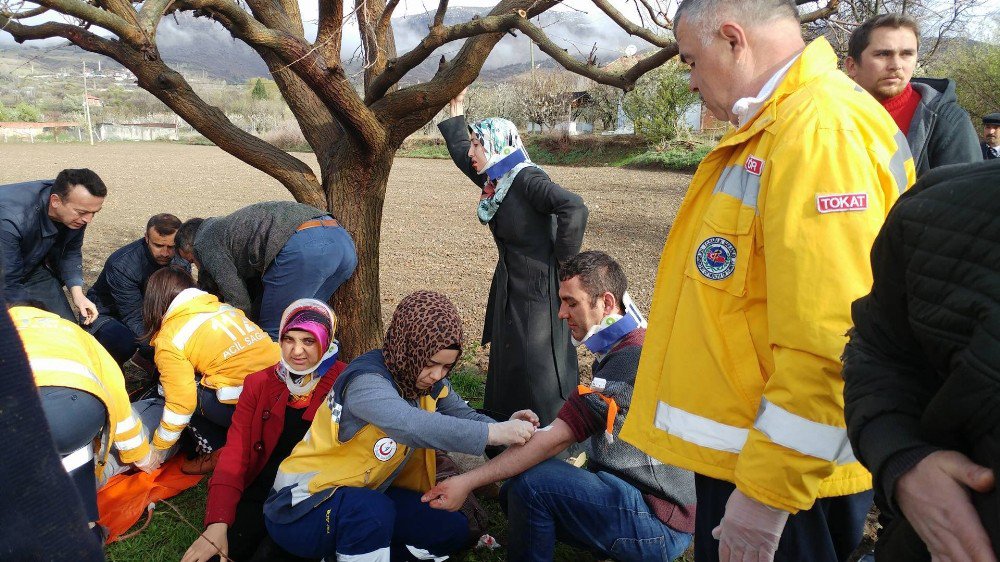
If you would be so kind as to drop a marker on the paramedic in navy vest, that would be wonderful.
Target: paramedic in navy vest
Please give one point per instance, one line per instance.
(120, 287)
(41, 235)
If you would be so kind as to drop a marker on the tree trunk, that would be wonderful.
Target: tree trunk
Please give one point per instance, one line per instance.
(355, 194)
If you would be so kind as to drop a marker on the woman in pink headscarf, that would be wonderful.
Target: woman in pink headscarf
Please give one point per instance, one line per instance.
(273, 413)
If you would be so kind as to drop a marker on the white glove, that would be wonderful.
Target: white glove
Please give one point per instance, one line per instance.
(512, 432)
(749, 530)
(151, 461)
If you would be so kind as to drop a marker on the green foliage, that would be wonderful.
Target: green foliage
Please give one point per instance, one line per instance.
(657, 102)
(24, 111)
(433, 151)
(259, 92)
(679, 159)
(583, 150)
(975, 68)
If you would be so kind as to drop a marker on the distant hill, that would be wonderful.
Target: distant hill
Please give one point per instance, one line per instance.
(202, 47)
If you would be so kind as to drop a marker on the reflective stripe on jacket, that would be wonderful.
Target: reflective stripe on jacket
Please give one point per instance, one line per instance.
(740, 374)
(63, 354)
(199, 335)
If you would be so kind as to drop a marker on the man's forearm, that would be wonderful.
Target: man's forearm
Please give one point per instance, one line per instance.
(543, 445)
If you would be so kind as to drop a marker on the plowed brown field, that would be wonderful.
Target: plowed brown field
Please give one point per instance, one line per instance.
(430, 235)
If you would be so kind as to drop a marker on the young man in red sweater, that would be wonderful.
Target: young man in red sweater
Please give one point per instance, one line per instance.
(881, 56)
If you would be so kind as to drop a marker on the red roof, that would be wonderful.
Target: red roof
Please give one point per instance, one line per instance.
(30, 125)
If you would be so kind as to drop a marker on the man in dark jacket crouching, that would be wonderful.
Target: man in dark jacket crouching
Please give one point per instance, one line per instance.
(922, 368)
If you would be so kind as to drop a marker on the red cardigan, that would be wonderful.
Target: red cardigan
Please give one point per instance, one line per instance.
(256, 426)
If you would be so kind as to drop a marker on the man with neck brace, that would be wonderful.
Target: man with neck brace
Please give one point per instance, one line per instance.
(626, 506)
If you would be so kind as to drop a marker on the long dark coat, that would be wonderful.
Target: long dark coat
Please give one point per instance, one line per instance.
(532, 362)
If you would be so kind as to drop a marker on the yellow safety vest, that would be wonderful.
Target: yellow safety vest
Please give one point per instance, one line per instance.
(62, 354)
(200, 335)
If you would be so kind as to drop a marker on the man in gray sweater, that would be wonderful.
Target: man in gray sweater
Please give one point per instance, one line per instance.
(625, 506)
(263, 257)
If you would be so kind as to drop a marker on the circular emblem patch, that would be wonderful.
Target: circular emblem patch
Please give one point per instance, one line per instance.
(385, 448)
(716, 258)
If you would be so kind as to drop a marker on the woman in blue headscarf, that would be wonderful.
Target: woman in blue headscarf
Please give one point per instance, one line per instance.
(536, 224)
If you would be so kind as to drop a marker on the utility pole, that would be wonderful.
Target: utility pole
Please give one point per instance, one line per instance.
(86, 105)
(531, 55)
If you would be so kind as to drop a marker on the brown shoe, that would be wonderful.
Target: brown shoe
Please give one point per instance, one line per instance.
(201, 464)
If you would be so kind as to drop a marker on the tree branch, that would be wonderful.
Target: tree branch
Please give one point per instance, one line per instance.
(329, 82)
(97, 16)
(171, 88)
(318, 126)
(628, 26)
(274, 14)
(622, 80)
(820, 13)
(503, 17)
(658, 17)
(439, 15)
(386, 18)
(330, 35)
(151, 13)
(377, 41)
(26, 13)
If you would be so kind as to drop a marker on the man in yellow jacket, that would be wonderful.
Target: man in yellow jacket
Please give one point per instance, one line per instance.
(739, 379)
(84, 399)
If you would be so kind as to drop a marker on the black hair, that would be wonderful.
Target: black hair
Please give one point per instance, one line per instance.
(184, 241)
(79, 176)
(165, 224)
(599, 273)
(862, 35)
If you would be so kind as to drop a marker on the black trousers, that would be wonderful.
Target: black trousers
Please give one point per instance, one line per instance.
(248, 538)
(829, 532)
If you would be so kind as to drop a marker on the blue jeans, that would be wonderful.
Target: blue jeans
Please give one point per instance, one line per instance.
(314, 263)
(597, 511)
(359, 521)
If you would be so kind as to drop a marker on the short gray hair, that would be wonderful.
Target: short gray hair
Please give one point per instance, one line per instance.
(711, 13)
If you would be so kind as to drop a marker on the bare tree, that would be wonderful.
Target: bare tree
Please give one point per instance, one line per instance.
(938, 20)
(546, 97)
(353, 134)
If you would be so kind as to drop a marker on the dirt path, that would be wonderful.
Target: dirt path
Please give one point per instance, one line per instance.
(430, 235)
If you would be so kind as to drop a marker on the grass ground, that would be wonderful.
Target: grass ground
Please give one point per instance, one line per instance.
(619, 151)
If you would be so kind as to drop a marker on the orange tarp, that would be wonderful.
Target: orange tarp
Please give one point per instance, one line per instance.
(123, 500)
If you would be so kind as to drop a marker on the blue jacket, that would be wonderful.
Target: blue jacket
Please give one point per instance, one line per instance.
(29, 238)
(121, 285)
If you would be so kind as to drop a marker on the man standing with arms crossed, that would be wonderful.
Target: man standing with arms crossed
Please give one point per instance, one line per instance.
(739, 378)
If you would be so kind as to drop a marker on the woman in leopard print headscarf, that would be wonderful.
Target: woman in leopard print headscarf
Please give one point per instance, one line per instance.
(375, 439)
(423, 324)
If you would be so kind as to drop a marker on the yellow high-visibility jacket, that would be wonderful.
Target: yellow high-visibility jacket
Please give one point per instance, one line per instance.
(739, 378)
(200, 335)
(62, 354)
